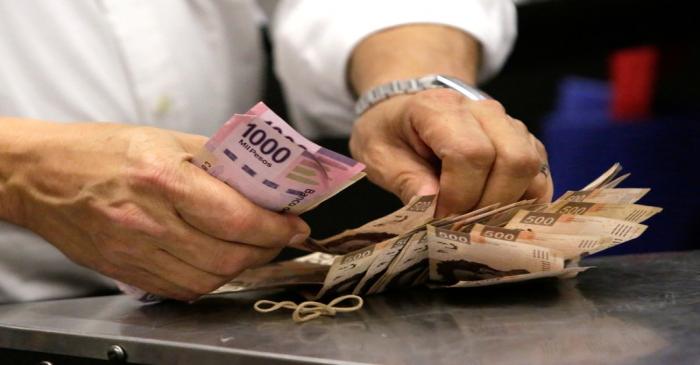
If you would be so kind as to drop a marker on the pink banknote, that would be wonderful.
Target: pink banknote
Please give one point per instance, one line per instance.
(265, 159)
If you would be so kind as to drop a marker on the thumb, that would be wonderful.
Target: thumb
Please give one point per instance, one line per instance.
(220, 211)
(406, 174)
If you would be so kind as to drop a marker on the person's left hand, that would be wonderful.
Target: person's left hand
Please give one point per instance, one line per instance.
(472, 152)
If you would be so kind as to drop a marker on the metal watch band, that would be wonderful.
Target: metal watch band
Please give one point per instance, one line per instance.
(400, 87)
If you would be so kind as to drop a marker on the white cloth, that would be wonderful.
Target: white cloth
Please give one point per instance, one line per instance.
(189, 65)
(314, 40)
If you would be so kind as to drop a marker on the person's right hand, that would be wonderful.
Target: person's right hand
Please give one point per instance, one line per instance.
(126, 202)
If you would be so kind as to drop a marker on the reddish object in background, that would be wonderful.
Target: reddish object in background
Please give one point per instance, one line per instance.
(633, 74)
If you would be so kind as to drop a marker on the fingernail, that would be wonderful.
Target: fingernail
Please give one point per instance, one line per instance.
(297, 239)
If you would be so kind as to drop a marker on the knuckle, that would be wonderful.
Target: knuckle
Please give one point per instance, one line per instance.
(519, 124)
(243, 221)
(126, 215)
(539, 144)
(132, 217)
(228, 265)
(521, 163)
(403, 181)
(540, 147)
(375, 154)
(152, 170)
(480, 155)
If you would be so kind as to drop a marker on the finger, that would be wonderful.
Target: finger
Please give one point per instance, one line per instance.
(542, 186)
(144, 280)
(466, 156)
(220, 211)
(540, 189)
(396, 168)
(212, 255)
(517, 161)
(164, 265)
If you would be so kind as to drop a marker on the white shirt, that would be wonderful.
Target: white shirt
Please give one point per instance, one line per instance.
(188, 66)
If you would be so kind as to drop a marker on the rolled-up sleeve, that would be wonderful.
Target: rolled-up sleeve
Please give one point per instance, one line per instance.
(314, 39)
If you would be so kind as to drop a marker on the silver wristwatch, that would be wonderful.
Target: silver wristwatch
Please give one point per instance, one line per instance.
(399, 87)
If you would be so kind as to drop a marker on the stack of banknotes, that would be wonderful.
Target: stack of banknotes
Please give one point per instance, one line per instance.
(264, 158)
(270, 163)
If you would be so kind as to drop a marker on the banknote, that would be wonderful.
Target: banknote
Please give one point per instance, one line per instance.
(283, 274)
(455, 218)
(628, 212)
(563, 273)
(381, 263)
(419, 211)
(347, 270)
(619, 230)
(604, 178)
(610, 196)
(342, 170)
(453, 257)
(422, 278)
(500, 214)
(488, 246)
(406, 267)
(615, 182)
(494, 212)
(320, 258)
(570, 246)
(266, 160)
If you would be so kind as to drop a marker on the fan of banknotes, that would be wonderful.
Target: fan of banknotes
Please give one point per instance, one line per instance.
(264, 158)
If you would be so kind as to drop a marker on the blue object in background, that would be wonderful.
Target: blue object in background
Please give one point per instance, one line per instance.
(662, 153)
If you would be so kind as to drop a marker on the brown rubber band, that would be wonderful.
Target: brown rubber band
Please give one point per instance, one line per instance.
(306, 311)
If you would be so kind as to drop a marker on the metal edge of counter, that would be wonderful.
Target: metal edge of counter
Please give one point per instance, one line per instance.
(142, 351)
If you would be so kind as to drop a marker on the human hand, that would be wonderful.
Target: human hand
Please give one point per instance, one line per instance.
(126, 202)
(472, 152)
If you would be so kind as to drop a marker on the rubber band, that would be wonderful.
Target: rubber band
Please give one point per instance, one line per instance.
(306, 311)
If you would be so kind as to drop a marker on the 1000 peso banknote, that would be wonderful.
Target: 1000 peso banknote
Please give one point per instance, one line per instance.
(265, 159)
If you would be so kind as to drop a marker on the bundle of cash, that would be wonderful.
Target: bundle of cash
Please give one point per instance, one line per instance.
(492, 245)
(270, 163)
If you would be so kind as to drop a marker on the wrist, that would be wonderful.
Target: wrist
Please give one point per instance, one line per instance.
(412, 51)
(18, 147)
(45, 164)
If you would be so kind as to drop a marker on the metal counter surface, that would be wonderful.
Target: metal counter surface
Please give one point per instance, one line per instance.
(638, 309)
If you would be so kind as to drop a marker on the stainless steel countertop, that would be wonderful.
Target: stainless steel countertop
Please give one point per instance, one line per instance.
(640, 309)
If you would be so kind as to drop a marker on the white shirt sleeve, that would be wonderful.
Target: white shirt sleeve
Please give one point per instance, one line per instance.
(313, 41)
